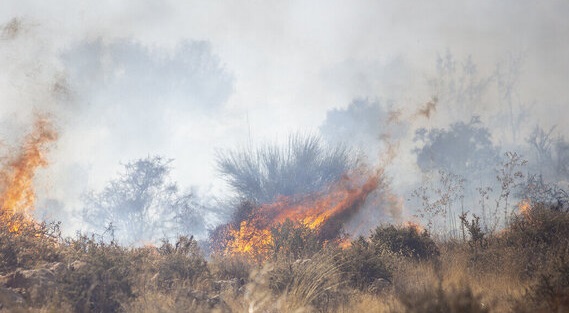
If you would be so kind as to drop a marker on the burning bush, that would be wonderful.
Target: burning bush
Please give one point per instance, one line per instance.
(320, 214)
(32, 244)
(293, 241)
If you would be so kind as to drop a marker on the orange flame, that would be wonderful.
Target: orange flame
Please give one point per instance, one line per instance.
(417, 227)
(524, 207)
(17, 194)
(323, 212)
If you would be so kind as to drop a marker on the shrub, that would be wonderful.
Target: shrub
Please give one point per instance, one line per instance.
(363, 264)
(181, 264)
(539, 224)
(99, 276)
(407, 241)
(294, 241)
(438, 300)
(306, 283)
(27, 246)
(234, 267)
(303, 165)
(551, 291)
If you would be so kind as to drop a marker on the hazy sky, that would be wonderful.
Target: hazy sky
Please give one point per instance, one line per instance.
(184, 78)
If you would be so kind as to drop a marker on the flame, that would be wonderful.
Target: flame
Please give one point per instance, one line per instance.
(345, 243)
(417, 227)
(524, 207)
(17, 196)
(324, 212)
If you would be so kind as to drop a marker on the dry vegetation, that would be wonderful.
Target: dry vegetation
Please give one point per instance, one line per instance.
(523, 268)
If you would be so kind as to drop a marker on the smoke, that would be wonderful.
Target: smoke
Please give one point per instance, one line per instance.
(128, 80)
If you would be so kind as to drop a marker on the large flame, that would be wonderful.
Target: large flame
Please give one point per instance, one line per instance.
(17, 172)
(324, 212)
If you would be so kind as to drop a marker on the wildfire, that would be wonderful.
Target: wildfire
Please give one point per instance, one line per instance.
(17, 194)
(324, 212)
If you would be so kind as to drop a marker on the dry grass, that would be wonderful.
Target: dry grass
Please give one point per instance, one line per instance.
(84, 275)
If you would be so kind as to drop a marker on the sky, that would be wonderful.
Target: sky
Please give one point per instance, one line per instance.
(183, 79)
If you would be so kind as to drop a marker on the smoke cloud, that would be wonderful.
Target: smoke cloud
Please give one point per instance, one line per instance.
(125, 81)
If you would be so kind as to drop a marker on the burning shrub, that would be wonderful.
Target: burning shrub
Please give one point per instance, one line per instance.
(408, 241)
(17, 172)
(320, 214)
(294, 241)
(538, 223)
(31, 244)
(537, 236)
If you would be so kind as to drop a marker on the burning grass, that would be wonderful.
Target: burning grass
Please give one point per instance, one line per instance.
(398, 268)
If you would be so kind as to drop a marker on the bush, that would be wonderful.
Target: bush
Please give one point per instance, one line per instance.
(363, 264)
(235, 267)
(538, 225)
(294, 241)
(307, 283)
(537, 236)
(99, 276)
(181, 264)
(551, 291)
(407, 241)
(305, 164)
(27, 246)
(438, 300)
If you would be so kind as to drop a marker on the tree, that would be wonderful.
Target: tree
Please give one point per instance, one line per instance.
(142, 204)
(303, 165)
(462, 149)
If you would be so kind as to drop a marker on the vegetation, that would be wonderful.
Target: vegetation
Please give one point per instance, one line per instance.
(397, 268)
(142, 204)
(304, 164)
